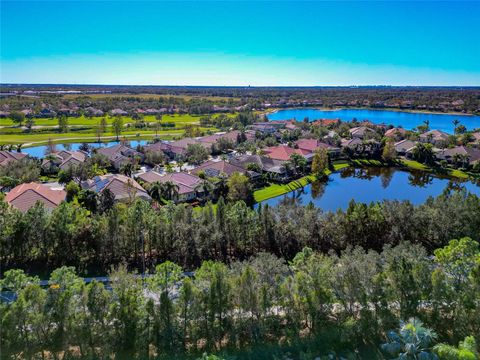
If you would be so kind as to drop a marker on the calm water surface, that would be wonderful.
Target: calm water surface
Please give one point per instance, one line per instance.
(408, 120)
(39, 151)
(368, 185)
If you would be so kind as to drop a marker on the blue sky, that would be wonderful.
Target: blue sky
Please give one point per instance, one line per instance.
(240, 43)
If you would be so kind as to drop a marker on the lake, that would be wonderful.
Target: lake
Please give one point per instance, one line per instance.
(366, 185)
(408, 120)
(39, 151)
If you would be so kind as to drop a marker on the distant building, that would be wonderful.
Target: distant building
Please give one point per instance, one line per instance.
(469, 155)
(276, 168)
(118, 112)
(396, 133)
(314, 144)
(25, 196)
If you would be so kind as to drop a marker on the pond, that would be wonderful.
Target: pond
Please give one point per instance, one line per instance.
(408, 120)
(39, 151)
(366, 185)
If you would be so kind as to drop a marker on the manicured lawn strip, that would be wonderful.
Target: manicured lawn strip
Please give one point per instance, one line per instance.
(94, 121)
(33, 139)
(274, 190)
(451, 172)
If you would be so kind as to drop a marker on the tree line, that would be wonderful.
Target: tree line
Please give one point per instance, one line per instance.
(95, 238)
(262, 308)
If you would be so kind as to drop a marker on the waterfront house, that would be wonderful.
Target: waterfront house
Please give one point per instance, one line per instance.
(313, 144)
(405, 147)
(436, 137)
(26, 195)
(10, 156)
(120, 154)
(64, 159)
(274, 168)
(463, 154)
(283, 152)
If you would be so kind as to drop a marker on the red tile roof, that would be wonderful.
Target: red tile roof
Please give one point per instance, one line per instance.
(283, 152)
(24, 196)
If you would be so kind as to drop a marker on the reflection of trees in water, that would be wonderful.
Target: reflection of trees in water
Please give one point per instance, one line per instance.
(368, 173)
(454, 186)
(318, 189)
(420, 178)
(290, 200)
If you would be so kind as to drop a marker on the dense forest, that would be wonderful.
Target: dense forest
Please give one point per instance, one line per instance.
(347, 306)
(94, 238)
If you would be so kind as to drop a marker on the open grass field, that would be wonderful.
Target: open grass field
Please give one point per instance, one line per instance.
(84, 129)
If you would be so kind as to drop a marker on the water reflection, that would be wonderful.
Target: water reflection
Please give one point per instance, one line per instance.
(365, 185)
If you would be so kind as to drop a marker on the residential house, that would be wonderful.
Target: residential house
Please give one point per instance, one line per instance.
(314, 144)
(275, 168)
(405, 147)
(396, 134)
(118, 112)
(26, 195)
(64, 159)
(213, 168)
(187, 183)
(464, 154)
(123, 188)
(264, 128)
(9, 156)
(120, 155)
(361, 132)
(436, 137)
(283, 152)
(325, 122)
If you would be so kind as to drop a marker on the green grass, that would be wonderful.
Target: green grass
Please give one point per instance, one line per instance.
(274, 190)
(415, 165)
(83, 129)
(94, 121)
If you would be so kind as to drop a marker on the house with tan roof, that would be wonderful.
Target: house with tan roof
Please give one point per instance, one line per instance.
(314, 144)
(64, 159)
(396, 133)
(361, 132)
(9, 156)
(120, 154)
(122, 187)
(405, 147)
(436, 137)
(466, 154)
(187, 183)
(25, 196)
(283, 152)
(275, 168)
(213, 168)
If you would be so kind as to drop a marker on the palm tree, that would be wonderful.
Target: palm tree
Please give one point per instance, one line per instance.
(127, 169)
(19, 147)
(206, 188)
(221, 187)
(156, 190)
(467, 349)
(427, 124)
(170, 191)
(412, 341)
(455, 124)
